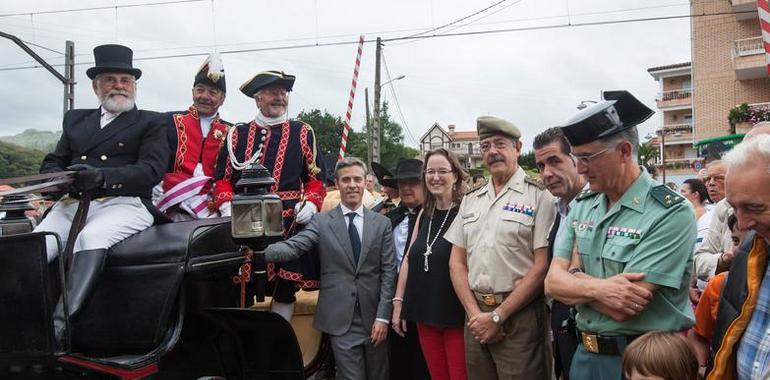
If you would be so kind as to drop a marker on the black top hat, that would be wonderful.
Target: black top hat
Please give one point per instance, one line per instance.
(617, 112)
(113, 59)
(406, 169)
(265, 79)
(211, 73)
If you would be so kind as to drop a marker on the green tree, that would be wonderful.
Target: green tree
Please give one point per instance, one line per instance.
(17, 161)
(392, 144)
(527, 161)
(647, 156)
(328, 130)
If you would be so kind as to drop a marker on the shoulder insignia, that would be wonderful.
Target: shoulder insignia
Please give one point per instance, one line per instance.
(532, 181)
(585, 194)
(475, 188)
(666, 196)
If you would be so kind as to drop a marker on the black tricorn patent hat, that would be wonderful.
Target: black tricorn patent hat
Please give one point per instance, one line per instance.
(410, 168)
(211, 73)
(381, 172)
(265, 79)
(113, 59)
(617, 112)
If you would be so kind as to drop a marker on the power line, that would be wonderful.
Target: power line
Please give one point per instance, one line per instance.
(99, 8)
(395, 98)
(460, 19)
(404, 38)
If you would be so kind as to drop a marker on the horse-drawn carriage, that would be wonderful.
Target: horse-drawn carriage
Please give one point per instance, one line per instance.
(165, 307)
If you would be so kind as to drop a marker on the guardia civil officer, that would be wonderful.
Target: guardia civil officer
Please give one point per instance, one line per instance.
(626, 255)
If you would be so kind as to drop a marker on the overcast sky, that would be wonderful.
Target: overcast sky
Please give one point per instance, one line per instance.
(533, 77)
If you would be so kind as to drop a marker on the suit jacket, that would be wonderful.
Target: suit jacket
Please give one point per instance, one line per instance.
(370, 283)
(132, 150)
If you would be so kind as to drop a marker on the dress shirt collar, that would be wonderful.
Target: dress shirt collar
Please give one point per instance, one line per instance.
(359, 211)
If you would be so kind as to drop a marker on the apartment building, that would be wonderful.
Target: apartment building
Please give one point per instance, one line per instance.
(463, 143)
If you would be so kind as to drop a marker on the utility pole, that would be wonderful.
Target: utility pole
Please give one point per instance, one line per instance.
(375, 143)
(368, 131)
(69, 75)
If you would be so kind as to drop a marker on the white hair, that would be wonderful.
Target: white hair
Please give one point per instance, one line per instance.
(750, 152)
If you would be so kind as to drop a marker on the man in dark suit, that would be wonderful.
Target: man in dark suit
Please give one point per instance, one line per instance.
(119, 154)
(358, 270)
(406, 359)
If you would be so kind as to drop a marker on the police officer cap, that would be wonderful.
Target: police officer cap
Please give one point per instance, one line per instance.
(488, 126)
(211, 73)
(267, 79)
(617, 112)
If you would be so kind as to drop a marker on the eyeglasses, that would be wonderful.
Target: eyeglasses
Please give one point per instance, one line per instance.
(499, 144)
(586, 159)
(440, 172)
(716, 178)
(277, 92)
(112, 81)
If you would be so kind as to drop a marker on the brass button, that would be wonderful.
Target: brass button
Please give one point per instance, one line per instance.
(120, 144)
(83, 158)
(120, 186)
(114, 186)
(103, 157)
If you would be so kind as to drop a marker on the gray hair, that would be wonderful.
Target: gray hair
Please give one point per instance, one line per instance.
(714, 163)
(755, 151)
(631, 135)
(348, 162)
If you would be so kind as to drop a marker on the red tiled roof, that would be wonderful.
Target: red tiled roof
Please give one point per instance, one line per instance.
(668, 67)
(464, 135)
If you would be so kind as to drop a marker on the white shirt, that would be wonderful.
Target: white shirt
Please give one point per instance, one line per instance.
(106, 117)
(206, 125)
(400, 234)
(358, 221)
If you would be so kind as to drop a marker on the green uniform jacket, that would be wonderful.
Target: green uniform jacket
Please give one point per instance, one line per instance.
(650, 230)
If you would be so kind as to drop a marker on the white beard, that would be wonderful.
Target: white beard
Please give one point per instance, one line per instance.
(117, 104)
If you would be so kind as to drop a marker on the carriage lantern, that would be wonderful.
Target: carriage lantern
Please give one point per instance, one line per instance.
(15, 222)
(256, 212)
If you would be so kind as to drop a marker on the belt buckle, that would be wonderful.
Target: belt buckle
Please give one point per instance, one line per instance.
(590, 342)
(488, 299)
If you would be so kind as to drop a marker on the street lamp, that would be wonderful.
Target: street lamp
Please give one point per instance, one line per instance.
(393, 80)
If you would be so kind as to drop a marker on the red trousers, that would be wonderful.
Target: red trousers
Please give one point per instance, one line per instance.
(444, 351)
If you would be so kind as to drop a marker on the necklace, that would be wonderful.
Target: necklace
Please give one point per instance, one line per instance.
(429, 250)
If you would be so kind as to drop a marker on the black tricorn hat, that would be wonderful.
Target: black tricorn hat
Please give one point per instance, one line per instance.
(410, 168)
(381, 172)
(211, 73)
(113, 59)
(265, 79)
(617, 112)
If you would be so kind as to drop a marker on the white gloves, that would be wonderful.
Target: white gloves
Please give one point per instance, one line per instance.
(304, 214)
(224, 210)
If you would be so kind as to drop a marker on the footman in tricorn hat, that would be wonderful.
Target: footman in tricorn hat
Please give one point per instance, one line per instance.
(626, 254)
(119, 153)
(499, 259)
(287, 149)
(196, 137)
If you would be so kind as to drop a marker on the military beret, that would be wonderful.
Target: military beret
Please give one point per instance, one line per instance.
(617, 112)
(266, 79)
(488, 126)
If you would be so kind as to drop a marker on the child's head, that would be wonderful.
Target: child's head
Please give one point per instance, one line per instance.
(735, 234)
(660, 355)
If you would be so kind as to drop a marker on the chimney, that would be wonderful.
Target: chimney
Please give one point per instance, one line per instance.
(451, 129)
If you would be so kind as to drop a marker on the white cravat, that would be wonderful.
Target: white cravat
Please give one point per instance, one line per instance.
(265, 121)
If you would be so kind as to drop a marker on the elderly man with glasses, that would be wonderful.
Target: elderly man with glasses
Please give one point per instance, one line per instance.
(625, 258)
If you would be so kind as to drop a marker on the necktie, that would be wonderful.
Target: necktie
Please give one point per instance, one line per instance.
(355, 240)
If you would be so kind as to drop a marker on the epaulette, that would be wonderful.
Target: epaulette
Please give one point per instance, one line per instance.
(585, 194)
(535, 182)
(475, 188)
(666, 196)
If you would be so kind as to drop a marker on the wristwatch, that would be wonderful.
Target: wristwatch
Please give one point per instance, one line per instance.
(496, 317)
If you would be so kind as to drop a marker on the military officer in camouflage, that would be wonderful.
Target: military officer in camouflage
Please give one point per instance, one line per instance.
(499, 260)
(626, 255)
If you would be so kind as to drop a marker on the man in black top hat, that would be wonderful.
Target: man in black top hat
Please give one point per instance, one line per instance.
(625, 257)
(287, 149)
(119, 153)
(196, 137)
(406, 358)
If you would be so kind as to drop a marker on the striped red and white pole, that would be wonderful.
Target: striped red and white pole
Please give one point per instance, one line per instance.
(346, 129)
(764, 23)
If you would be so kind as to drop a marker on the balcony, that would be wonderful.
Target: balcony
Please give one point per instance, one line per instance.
(675, 99)
(675, 134)
(744, 9)
(749, 58)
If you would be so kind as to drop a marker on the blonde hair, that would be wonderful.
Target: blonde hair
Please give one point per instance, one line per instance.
(662, 354)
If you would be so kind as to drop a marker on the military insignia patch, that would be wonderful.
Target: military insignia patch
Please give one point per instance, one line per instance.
(219, 135)
(624, 231)
(519, 208)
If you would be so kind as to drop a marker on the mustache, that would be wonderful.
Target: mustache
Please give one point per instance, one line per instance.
(118, 92)
(495, 159)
